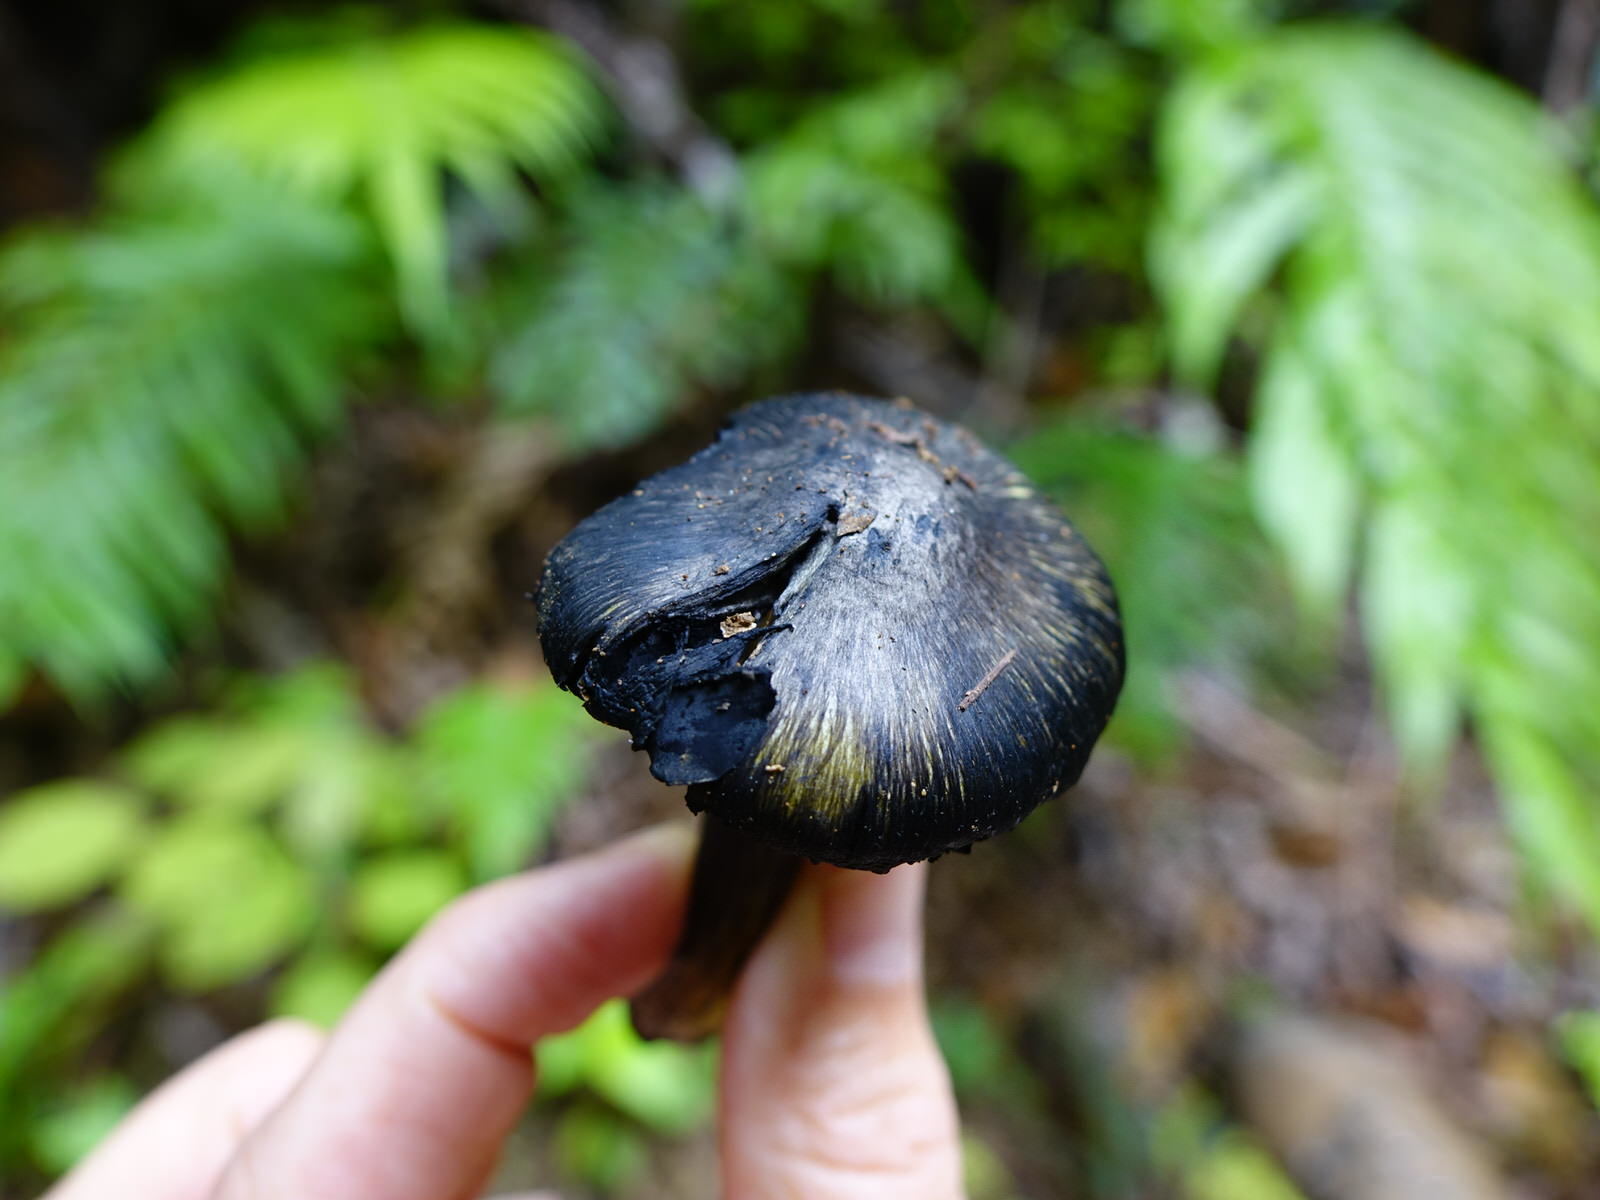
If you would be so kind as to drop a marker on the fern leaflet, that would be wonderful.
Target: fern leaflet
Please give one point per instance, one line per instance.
(1428, 275)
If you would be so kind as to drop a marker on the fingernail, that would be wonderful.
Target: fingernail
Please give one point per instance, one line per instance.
(872, 926)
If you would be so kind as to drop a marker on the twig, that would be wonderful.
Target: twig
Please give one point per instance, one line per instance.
(1569, 76)
(982, 685)
(1248, 736)
(903, 357)
(1012, 352)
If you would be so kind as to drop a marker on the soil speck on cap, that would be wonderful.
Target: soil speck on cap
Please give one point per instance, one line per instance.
(889, 433)
(738, 623)
(855, 522)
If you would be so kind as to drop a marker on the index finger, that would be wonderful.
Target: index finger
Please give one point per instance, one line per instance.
(422, 1081)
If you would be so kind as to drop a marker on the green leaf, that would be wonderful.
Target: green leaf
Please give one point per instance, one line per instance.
(665, 1086)
(380, 120)
(984, 1173)
(345, 782)
(1234, 1168)
(228, 900)
(1193, 25)
(503, 760)
(77, 1122)
(599, 1149)
(393, 895)
(319, 986)
(1418, 605)
(61, 841)
(296, 744)
(1302, 486)
(1214, 1160)
(59, 1000)
(1236, 255)
(229, 767)
(1579, 1033)
(1554, 820)
(971, 1045)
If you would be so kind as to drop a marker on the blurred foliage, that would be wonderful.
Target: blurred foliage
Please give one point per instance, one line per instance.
(611, 1088)
(1171, 518)
(1313, 310)
(855, 187)
(646, 294)
(1580, 1037)
(1434, 278)
(1081, 196)
(65, 1133)
(662, 1085)
(375, 121)
(282, 833)
(149, 392)
(1213, 1159)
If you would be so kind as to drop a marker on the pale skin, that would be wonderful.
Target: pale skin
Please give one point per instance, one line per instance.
(831, 1086)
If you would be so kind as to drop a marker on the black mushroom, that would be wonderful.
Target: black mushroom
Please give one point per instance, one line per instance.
(859, 637)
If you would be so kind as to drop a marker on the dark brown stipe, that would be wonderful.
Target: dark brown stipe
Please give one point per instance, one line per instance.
(982, 685)
(739, 885)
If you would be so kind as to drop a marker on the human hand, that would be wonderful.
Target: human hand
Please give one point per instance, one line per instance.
(831, 1085)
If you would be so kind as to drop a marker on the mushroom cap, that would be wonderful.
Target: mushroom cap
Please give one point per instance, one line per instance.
(856, 633)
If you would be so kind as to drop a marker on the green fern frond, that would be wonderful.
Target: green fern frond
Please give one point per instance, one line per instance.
(856, 189)
(646, 294)
(1193, 573)
(382, 120)
(160, 378)
(1428, 275)
(1065, 118)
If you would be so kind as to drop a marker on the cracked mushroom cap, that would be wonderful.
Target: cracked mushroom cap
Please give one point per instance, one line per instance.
(855, 632)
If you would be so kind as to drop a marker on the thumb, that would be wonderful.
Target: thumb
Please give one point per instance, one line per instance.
(832, 1087)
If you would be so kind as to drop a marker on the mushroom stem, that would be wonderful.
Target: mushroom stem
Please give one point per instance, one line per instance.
(739, 884)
